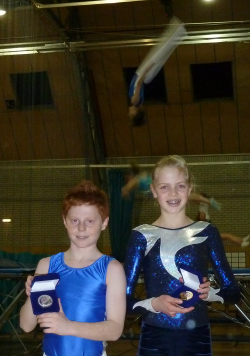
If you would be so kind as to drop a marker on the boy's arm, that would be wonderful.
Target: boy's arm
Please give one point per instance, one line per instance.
(115, 300)
(28, 320)
(111, 328)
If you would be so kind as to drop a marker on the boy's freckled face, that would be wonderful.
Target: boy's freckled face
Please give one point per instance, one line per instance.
(84, 225)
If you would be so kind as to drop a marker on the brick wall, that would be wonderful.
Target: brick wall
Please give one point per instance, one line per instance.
(31, 194)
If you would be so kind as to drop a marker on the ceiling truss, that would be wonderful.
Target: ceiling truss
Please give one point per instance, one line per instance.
(80, 3)
(194, 37)
(76, 41)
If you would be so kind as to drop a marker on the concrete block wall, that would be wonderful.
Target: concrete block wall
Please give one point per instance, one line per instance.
(31, 193)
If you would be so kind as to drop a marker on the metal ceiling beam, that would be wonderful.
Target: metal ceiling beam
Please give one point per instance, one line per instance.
(194, 37)
(81, 3)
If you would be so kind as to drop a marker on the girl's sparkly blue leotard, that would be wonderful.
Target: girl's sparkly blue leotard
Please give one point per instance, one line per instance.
(160, 252)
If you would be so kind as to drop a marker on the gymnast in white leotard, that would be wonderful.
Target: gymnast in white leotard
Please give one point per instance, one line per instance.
(150, 67)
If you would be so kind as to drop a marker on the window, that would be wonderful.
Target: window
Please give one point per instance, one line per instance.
(212, 80)
(10, 104)
(236, 259)
(154, 91)
(32, 90)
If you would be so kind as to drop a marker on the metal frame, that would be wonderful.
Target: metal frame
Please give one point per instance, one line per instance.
(5, 313)
(194, 37)
(80, 3)
(243, 280)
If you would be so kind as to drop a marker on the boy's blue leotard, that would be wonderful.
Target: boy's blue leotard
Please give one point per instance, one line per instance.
(160, 251)
(83, 297)
(132, 88)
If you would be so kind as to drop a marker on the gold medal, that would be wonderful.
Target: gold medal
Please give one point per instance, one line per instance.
(186, 295)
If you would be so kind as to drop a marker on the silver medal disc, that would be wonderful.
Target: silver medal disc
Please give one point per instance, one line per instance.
(45, 301)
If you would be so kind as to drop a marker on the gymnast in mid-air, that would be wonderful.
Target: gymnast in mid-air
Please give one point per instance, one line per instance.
(150, 67)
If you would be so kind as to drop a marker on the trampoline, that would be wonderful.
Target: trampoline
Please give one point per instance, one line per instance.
(17, 272)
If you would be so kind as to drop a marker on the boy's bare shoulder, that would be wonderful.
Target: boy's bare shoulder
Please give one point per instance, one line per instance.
(115, 277)
(116, 265)
(114, 262)
(115, 268)
(43, 265)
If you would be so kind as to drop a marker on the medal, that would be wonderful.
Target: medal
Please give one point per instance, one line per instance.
(186, 295)
(45, 301)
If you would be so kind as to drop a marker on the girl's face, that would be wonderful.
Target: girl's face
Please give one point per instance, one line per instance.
(171, 189)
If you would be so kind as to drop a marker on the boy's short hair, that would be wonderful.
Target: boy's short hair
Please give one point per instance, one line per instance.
(86, 193)
(138, 118)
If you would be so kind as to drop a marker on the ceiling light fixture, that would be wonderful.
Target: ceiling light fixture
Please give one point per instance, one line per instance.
(2, 12)
(6, 220)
